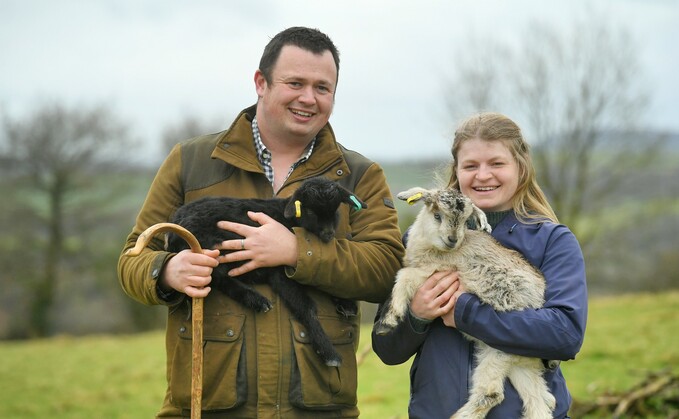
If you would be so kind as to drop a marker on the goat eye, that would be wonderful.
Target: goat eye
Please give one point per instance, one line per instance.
(437, 216)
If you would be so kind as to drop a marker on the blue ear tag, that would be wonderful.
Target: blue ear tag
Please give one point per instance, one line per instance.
(356, 203)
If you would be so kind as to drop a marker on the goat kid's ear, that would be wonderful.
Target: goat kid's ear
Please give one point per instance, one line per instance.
(413, 195)
(351, 199)
(292, 209)
(356, 203)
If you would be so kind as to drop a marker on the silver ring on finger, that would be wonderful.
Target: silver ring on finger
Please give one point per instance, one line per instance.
(242, 244)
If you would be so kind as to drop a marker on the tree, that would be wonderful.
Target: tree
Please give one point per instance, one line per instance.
(580, 97)
(50, 156)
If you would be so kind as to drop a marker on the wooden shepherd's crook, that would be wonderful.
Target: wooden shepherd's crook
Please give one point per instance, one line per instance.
(197, 310)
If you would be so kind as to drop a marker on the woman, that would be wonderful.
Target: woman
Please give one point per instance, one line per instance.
(492, 166)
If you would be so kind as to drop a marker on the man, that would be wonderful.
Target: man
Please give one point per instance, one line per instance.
(261, 364)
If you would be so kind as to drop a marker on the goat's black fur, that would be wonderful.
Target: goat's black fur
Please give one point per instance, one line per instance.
(319, 200)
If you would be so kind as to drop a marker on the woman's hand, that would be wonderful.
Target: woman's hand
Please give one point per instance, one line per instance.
(435, 297)
(449, 317)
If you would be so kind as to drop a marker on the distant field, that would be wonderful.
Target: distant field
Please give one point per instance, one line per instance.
(124, 376)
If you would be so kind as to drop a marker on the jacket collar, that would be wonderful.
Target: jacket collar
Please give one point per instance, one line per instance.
(236, 147)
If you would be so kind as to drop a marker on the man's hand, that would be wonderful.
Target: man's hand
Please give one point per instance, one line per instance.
(271, 244)
(189, 272)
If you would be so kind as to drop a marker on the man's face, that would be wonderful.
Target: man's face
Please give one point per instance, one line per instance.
(299, 100)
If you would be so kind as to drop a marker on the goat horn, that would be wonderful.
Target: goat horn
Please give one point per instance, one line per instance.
(197, 309)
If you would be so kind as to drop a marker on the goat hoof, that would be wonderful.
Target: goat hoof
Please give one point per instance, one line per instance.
(330, 358)
(382, 329)
(265, 307)
(333, 362)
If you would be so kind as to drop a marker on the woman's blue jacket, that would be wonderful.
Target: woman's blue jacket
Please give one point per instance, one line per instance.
(441, 371)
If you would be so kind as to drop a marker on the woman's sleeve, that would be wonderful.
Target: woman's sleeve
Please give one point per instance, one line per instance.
(555, 331)
(400, 344)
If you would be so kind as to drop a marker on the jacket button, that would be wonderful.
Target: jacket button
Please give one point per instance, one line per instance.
(182, 329)
(302, 334)
(155, 273)
(309, 253)
(340, 172)
(229, 333)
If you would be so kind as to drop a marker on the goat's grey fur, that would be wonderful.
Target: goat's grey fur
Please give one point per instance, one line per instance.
(440, 240)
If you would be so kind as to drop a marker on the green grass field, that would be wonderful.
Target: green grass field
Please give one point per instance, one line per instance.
(123, 376)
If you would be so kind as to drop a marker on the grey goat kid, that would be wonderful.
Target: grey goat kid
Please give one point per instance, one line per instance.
(440, 240)
(313, 206)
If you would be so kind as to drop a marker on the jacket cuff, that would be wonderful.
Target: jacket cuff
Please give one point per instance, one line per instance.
(418, 324)
(168, 297)
(308, 254)
(463, 309)
(171, 297)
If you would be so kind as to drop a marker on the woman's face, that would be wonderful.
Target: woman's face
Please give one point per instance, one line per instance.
(487, 173)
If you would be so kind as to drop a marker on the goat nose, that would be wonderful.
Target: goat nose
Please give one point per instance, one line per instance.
(327, 235)
(452, 241)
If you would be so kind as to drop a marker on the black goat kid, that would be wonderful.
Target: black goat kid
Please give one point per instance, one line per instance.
(312, 206)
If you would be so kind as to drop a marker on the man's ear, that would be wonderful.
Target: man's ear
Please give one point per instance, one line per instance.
(260, 83)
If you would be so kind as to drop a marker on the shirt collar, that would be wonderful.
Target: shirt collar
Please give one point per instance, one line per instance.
(264, 155)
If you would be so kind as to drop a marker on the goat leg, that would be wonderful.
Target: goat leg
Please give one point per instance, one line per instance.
(304, 310)
(381, 326)
(345, 307)
(238, 290)
(197, 309)
(408, 280)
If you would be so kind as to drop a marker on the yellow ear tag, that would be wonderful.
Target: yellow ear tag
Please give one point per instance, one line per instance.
(298, 209)
(411, 200)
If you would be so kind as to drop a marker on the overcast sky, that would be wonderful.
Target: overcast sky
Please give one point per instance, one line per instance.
(155, 61)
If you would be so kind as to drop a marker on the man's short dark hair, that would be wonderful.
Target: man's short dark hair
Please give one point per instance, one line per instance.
(308, 39)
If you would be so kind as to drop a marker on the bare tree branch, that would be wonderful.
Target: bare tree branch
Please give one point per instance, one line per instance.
(578, 95)
(49, 154)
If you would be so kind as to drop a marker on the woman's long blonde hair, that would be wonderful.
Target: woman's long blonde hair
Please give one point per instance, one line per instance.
(529, 202)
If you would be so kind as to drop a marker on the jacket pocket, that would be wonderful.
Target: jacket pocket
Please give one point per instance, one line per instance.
(224, 375)
(315, 385)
